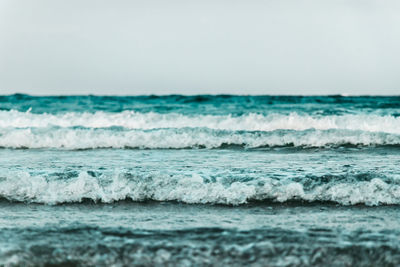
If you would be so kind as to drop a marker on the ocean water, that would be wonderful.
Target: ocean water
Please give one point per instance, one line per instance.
(199, 180)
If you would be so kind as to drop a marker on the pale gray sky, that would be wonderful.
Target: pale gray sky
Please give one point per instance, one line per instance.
(203, 46)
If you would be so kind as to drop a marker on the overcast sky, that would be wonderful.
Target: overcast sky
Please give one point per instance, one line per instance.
(203, 46)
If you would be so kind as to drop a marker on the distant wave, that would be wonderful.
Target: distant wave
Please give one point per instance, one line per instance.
(204, 104)
(88, 185)
(130, 129)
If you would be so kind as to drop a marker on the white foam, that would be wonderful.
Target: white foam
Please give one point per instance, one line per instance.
(70, 138)
(189, 189)
(249, 122)
(153, 130)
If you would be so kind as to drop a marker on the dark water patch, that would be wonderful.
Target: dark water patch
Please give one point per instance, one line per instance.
(287, 148)
(266, 202)
(63, 176)
(311, 181)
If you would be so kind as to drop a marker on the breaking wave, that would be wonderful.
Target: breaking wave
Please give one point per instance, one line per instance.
(195, 189)
(130, 129)
(248, 122)
(83, 138)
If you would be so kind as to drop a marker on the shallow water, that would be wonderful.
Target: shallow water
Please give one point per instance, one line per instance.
(203, 180)
(263, 234)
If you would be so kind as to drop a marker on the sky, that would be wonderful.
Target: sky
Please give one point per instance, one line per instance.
(129, 47)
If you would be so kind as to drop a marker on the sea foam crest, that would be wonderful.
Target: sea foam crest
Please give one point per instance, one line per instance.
(192, 188)
(130, 129)
(248, 122)
(83, 138)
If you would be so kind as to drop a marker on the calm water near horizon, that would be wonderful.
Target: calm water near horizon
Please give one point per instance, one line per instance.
(199, 180)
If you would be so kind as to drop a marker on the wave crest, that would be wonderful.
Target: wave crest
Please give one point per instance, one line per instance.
(130, 129)
(83, 138)
(248, 122)
(193, 189)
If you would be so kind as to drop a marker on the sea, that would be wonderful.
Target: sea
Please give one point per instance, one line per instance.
(204, 180)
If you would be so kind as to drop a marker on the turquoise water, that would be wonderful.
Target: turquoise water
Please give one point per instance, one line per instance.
(206, 104)
(206, 180)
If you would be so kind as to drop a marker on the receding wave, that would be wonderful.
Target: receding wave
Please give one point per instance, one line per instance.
(130, 129)
(195, 189)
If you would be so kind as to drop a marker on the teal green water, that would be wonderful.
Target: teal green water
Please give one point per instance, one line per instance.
(206, 104)
(199, 180)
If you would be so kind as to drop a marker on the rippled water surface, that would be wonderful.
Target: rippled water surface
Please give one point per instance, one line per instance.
(206, 180)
